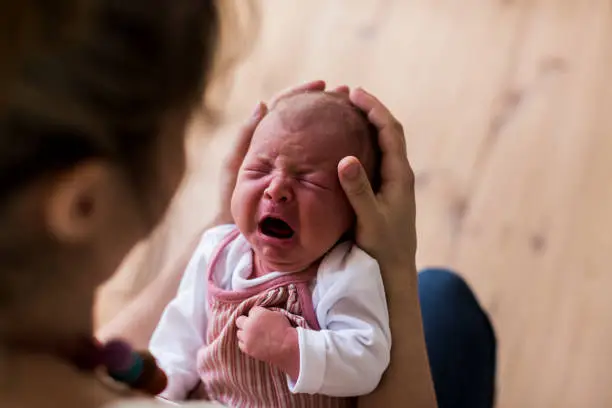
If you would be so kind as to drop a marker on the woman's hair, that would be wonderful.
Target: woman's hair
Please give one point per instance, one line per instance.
(94, 78)
(83, 79)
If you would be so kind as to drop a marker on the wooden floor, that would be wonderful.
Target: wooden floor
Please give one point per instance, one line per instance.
(508, 109)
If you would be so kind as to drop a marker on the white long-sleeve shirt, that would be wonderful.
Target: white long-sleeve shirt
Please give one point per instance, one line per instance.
(347, 357)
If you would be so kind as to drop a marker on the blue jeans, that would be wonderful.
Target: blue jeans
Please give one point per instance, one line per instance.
(460, 341)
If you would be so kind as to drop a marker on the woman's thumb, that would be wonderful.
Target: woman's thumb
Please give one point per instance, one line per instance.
(357, 188)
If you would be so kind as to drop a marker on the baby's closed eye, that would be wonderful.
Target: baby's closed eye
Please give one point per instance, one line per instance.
(315, 180)
(256, 170)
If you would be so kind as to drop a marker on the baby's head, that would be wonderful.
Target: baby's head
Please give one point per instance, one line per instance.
(288, 201)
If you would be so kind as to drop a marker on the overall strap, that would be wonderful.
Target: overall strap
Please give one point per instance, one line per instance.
(215, 256)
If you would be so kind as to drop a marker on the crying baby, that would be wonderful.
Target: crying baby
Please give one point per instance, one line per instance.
(282, 308)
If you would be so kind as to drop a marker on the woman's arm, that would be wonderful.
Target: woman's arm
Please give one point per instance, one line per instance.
(407, 381)
(386, 230)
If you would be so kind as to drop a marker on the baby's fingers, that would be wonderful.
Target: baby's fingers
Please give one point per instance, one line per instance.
(242, 346)
(257, 311)
(240, 322)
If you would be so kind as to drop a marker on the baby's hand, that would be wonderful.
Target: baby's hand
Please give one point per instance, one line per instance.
(268, 336)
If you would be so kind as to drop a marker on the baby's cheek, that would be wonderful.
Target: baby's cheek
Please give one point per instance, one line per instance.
(244, 205)
(344, 206)
(347, 213)
(334, 215)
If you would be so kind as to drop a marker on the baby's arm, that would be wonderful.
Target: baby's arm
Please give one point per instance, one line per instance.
(348, 356)
(179, 334)
(182, 327)
(268, 336)
(351, 352)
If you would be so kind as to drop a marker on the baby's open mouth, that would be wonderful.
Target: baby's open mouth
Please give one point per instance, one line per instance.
(276, 228)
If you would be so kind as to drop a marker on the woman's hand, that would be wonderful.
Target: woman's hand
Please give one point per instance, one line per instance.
(386, 220)
(233, 161)
(386, 230)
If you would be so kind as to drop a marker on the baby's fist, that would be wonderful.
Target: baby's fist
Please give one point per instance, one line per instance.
(268, 336)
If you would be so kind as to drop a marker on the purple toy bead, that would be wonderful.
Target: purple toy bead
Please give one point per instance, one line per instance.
(117, 355)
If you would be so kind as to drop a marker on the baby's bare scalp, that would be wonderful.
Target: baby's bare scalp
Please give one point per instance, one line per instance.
(335, 112)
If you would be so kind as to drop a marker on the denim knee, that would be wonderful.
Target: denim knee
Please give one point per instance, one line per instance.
(446, 283)
(460, 340)
(450, 293)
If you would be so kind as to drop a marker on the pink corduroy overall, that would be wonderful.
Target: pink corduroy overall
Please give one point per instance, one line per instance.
(231, 377)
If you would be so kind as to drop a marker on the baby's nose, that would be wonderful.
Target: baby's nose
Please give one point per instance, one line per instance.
(279, 191)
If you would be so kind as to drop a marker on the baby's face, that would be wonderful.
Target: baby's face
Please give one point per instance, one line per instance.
(288, 201)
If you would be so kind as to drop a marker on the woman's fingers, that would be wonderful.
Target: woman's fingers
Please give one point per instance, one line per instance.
(390, 129)
(343, 89)
(312, 86)
(390, 135)
(357, 188)
(318, 85)
(241, 145)
(233, 161)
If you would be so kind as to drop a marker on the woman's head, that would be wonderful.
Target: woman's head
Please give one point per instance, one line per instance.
(92, 124)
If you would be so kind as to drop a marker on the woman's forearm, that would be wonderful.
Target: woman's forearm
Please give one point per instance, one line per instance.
(407, 382)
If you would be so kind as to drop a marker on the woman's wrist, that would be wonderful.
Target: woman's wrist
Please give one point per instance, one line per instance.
(408, 377)
(401, 286)
(402, 265)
